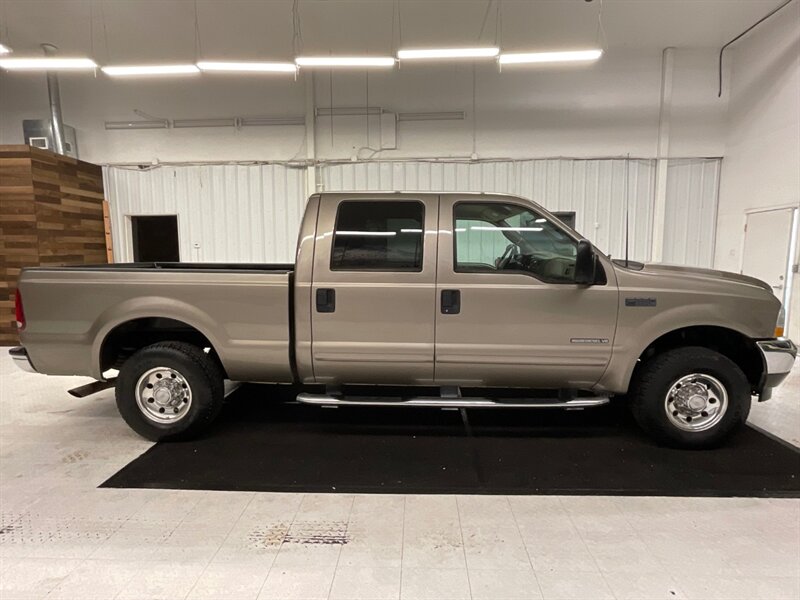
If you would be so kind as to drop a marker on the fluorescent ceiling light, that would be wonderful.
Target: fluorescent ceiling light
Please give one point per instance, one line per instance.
(344, 61)
(433, 53)
(4, 49)
(348, 111)
(249, 67)
(245, 121)
(549, 57)
(481, 228)
(150, 70)
(227, 122)
(368, 233)
(136, 124)
(453, 115)
(48, 64)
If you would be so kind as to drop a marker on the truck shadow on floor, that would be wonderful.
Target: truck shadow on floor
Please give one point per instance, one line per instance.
(264, 441)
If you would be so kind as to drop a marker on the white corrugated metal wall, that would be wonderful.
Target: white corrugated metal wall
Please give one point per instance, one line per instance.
(226, 213)
(691, 211)
(594, 189)
(251, 213)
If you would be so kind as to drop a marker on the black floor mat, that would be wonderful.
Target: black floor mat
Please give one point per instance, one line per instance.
(264, 442)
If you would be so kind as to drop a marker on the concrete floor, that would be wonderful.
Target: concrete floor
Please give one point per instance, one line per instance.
(62, 537)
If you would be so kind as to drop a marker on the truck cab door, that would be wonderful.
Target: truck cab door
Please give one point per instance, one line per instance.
(510, 312)
(373, 292)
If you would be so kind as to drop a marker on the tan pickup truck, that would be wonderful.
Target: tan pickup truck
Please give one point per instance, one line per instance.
(455, 299)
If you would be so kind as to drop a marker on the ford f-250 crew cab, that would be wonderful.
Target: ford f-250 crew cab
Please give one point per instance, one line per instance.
(456, 297)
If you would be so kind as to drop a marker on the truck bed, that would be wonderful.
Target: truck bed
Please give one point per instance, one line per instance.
(181, 266)
(243, 310)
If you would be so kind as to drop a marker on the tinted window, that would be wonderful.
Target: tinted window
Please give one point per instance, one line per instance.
(495, 238)
(378, 236)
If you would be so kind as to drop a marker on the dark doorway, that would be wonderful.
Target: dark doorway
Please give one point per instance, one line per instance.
(155, 239)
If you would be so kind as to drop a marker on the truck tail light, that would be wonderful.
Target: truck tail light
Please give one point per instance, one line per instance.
(19, 311)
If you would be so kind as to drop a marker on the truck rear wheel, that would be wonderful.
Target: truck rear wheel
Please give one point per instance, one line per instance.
(169, 391)
(690, 397)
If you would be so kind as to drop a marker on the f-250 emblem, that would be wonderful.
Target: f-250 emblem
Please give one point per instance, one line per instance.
(640, 301)
(588, 340)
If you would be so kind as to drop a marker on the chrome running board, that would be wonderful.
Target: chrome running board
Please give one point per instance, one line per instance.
(446, 402)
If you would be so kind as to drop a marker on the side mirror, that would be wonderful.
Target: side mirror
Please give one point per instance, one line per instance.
(585, 264)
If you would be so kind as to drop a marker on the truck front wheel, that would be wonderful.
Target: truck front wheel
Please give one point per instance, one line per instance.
(690, 397)
(169, 391)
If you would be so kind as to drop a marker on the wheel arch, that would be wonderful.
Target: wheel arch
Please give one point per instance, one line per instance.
(126, 337)
(734, 345)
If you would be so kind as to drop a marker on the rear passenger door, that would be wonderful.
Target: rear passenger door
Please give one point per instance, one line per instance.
(374, 289)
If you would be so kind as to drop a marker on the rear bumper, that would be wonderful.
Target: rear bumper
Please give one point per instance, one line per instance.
(778, 357)
(21, 359)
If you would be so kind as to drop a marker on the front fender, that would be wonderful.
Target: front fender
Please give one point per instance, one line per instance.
(634, 336)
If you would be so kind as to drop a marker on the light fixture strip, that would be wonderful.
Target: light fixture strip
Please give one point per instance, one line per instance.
(132, 70)
(47, 64)
(347, 111)
(267, 121)
(181, 123)
(248, 67)
(549, 57)
(454, 115)
(136, 124)
(344, 61)
(445, 53)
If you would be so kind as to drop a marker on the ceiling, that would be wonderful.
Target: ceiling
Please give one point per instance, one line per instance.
(132, 31)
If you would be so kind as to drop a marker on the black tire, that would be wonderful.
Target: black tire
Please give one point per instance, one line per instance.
(201, 373)
(654, 379)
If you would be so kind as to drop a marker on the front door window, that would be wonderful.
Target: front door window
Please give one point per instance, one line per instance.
(509, 238)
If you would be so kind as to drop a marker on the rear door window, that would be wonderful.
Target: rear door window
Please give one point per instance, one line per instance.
(378, 236)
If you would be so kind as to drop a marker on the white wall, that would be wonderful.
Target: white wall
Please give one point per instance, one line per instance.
(762, 147)
(609, 108)
(595, 189)
(251, 213)
(226, 213)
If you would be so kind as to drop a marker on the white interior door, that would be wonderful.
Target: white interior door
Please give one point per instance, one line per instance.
(766, 247)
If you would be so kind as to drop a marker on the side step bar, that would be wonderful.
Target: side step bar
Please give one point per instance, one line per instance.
(444, 402)
(92, 388)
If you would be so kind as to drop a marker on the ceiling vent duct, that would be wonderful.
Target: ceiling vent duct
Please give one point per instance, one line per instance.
(38, 133)
(54, 93)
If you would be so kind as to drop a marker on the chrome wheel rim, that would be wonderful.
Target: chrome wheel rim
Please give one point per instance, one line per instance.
(163, 395)
(696, 402)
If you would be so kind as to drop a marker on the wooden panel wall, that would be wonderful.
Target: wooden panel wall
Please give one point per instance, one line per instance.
(51, 213)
